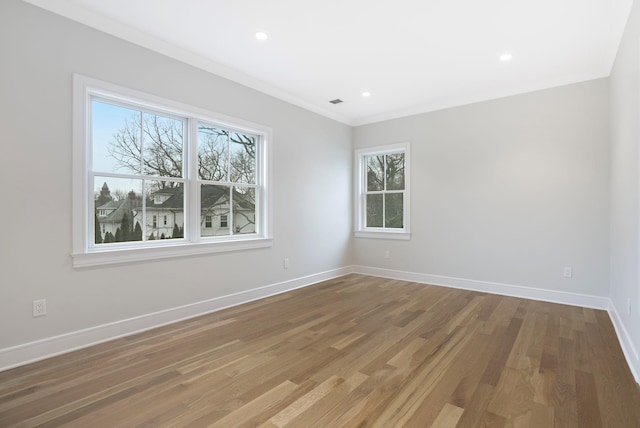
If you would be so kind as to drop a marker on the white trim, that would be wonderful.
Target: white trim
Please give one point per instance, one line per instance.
(466, 99)
(382, 234)
(120, 30)
(574, 299)
(84, 254)
(171, 250)
(45, 348)
(359, 193)
(553, 296)
(107, 25)
(637, 308)
(626, 343)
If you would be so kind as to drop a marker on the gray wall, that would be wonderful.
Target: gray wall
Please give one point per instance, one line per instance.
(506, 191)
(40, 51)
(625, 116)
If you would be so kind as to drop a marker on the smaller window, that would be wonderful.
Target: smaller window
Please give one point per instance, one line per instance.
(164, 220)
(207, 221)
(382, 192)
(224, 221)
(155, 221)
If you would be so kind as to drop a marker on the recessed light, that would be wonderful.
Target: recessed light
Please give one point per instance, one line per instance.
(366, 94)
(506, 57)
(261, 35)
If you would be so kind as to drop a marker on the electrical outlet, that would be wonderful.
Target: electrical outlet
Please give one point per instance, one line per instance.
(285, 263)
(568, 272)
(387, 254)
(39, 308)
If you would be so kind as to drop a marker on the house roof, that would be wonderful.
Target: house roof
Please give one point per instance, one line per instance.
(111, 205)
(211, 195)
(120, 208)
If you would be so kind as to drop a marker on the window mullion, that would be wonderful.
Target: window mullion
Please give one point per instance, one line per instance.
(144, 210)
(384, 193)
(365, 186)
(228, 156)
(141, 142)
(230, 217)
(384, 173)
(384, 211)
(193, 199)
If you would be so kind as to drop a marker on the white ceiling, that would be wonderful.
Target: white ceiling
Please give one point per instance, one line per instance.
(412, 55)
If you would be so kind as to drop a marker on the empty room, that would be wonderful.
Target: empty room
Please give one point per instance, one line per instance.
(334, 214)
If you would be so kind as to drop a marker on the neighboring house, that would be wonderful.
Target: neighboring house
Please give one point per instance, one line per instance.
(214, 219)
(110, 214)
(165, 209)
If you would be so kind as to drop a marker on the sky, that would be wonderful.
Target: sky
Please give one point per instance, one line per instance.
(107, 120)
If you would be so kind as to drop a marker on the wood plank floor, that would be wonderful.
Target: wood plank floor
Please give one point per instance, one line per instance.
(356, 351)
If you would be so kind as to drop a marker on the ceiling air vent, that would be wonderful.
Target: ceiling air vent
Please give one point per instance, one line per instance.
(336, 101)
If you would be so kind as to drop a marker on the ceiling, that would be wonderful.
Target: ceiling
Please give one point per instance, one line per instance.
(413, 56)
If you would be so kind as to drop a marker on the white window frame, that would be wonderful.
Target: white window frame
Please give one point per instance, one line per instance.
(360, 168)
(85, 254)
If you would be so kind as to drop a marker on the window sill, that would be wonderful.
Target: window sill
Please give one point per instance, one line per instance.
(403, 236)
(121, 255)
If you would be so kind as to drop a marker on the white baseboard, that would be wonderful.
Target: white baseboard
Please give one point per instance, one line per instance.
(628, 348)
(574, 299)
(38, 350)
(52, 346)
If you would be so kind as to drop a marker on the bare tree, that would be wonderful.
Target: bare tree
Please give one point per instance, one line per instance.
(119, 194)
(213, 153)
(150, 144)
(226, 156)
(154, 145)
(385, 173)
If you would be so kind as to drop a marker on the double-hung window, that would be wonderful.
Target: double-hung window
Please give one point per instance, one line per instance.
(382, 192)
(151, 175)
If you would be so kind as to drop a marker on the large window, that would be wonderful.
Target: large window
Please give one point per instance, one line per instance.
(152, 177)
(382, 192)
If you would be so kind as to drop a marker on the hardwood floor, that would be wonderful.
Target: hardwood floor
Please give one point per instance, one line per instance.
(356, 351)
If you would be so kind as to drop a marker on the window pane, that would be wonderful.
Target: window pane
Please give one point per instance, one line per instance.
(165, 210)
(213, 153)
(115, 138)
(393, 209)
(162, 146)
(374, 210)
(243, 158)
(395, 171)
(118, 210)
(214, 203)
(244, 210)
(375, 170)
